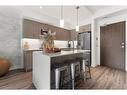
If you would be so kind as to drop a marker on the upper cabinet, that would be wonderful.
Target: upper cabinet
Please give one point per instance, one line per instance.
(85, 28)
(66, 34)
(28, 28)
(73, 35)
(32, 29)
(62, 34)
(37, 30)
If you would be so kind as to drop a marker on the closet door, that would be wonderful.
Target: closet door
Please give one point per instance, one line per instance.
(113, 45)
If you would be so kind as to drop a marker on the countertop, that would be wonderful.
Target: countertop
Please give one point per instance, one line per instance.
(64, 49)
(32, 50)
(62, 53)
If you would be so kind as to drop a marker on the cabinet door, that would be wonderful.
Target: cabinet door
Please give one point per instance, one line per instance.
(58, 33)
(45, 27)
(36, 30)
(66, 35)
(85, 28)
(28, 60)
(28, 28)
(61, 34)
(73, 35)
(39, 29)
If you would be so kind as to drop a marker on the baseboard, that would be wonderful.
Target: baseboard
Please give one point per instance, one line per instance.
(19, 69)
(16, 67)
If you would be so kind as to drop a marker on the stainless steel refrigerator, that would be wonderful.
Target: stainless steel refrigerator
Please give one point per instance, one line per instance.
(84, 42)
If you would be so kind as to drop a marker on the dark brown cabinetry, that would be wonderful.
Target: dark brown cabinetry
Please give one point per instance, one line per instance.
(32, 29)
(73, 35)
(28, 28)
(28, 60)
(62, 34)
(84, 28)
(36, 30)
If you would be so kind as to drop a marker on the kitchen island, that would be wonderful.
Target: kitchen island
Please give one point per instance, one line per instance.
(42, 64)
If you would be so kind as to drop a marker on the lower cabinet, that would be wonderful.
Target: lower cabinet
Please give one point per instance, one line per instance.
(28, 60)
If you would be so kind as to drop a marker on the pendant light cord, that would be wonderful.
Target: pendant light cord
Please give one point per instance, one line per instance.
(61, 12)
(77, 14)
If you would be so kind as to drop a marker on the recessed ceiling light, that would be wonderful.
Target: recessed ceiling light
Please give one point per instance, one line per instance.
(40, 7)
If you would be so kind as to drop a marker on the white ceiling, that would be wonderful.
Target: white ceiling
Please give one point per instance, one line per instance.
(52, 13)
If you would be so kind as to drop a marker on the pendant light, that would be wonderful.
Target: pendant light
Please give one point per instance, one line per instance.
(61, 18)
(77, 24)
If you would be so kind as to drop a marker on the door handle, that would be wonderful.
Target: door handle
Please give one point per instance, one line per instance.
(122, 46)
(122, 43)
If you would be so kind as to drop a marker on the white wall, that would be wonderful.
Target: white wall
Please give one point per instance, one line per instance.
(86, 21)
(108, 11)
(93, 41)
(10, 35)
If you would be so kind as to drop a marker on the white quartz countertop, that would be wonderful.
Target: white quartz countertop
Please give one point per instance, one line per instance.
(32, 50)
(62, 53)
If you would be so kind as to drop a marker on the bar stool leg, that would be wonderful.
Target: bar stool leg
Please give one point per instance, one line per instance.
(88, 72)
(73, 76)
(84, 69)
(57, 79)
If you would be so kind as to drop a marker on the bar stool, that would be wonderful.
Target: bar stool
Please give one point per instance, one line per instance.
(87, 69)
(67, 73)
(85, 66)
(75, 69)
(75, 72)
(62, 77)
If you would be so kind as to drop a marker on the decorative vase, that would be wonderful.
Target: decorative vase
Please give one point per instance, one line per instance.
(4, 66)
(44, 49)
(48, 42)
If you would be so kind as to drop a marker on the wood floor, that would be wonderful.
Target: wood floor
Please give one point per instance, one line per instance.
(16, 80)
(106, 78)
(102, 78)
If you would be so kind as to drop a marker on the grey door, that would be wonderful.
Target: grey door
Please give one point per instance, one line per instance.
(112, 41)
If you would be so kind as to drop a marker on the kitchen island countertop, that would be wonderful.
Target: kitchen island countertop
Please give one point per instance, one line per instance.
(62, 53)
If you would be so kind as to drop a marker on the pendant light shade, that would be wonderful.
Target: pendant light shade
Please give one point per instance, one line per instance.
(61, 23)
(77, 26)
(61, 18)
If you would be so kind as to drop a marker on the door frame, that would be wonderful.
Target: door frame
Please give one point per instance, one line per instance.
(125, 41)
